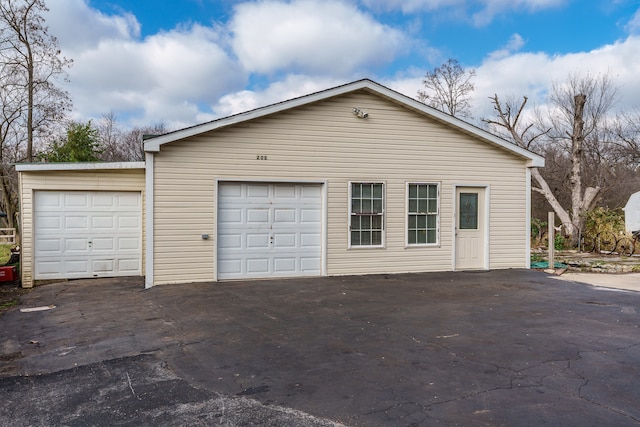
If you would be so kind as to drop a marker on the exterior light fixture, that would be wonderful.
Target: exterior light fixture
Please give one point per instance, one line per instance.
(362, 114)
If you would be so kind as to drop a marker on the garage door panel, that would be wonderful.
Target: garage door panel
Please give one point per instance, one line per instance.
(76, 222)
(101, 266)
(52, 245)
(284, 241)
(310, 265)
(257, 266)
(128, 222)
(76, 200)
(257, 216)
(284, 265)
(87, 234)
(75, 244)
(230, 216)
(257, 241)
(103, 223)
(284, 216)
(257, 191)
(128, 244)
(265, 230)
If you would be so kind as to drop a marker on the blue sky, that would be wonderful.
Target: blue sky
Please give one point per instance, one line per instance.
(189, 61)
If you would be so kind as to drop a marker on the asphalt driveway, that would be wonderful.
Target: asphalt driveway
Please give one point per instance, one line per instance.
(510, 348)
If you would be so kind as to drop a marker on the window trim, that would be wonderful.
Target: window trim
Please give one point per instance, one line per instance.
(407, 213)
(383, 214)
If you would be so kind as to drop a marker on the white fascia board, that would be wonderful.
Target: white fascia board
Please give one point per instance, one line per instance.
(41, 167)
(534, 160)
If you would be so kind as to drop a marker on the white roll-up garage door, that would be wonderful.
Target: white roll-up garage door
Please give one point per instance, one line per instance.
(80, 234)
(269, 230)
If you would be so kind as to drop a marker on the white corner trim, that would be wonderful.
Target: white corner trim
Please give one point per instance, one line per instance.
(527, 249)
(148, 281)
(41, 167)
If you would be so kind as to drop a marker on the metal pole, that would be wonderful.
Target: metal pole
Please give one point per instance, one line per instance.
(552, 240)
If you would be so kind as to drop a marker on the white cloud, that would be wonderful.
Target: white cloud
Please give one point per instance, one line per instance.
(633, 26)
(78, 27)
(515, 43)
(310, 36)
(291, 87)
(533, 74)
(169, 77)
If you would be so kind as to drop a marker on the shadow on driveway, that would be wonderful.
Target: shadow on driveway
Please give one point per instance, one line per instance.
(508, 347)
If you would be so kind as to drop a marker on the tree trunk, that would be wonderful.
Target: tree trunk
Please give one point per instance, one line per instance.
(577, 142)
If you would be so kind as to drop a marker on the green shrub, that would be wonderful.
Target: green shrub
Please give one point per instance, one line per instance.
(600, 220)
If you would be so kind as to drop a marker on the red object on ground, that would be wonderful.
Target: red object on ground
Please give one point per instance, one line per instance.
(8, 274)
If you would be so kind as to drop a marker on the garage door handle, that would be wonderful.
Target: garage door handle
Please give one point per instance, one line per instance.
(90, 243)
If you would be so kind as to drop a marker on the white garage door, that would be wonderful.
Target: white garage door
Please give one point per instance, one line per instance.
(269, 230)
(80, 234)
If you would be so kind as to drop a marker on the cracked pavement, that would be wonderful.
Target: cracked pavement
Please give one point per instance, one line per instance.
(512, 347)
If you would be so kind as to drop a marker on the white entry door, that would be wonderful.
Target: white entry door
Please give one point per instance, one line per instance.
(81, 234)
(269, 230)
(470, 228)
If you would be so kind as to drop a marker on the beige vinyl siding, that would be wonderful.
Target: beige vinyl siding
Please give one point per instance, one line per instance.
(325, 141)
(106, 180)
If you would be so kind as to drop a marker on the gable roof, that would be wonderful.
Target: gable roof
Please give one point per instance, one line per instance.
(534, 160)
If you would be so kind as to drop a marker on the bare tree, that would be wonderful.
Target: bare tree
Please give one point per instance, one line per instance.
(574, 125)
(34, 60)
(449, 89)
(120, 145)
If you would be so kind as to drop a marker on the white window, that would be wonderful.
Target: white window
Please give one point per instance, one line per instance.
(422, 214)
(366, 222)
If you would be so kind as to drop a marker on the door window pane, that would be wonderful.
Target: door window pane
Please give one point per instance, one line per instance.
(468, 211)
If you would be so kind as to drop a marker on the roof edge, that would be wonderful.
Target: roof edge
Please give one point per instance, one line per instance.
(82, 166)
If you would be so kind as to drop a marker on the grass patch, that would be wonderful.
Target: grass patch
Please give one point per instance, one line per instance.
(5, 253)
(9, 304)
(636, 268)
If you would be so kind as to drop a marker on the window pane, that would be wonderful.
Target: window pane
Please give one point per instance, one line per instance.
(355, 238)
(355, 223)
(366, 191)
(468, 211)
(431, 221)
(377, 206)
(421, 237)
(413, 191)
(422, 191)
(422, 222)
(412, 238)
(431, 236)
(413, 206)
(433, 206)
(365, 222)
(376, 238)
(365, 238)
(377, 191)
(376, 222)
(355, 190)
(433, 191)
(412, 222)
(422, 205)
(355, 206)
(366, 206)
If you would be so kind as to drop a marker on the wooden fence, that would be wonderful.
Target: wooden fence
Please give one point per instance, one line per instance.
(7, 236)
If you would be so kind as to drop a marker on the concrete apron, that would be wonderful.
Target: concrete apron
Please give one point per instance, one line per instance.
(495, 348)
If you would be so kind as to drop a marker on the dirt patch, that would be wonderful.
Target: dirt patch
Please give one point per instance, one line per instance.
(10, 294)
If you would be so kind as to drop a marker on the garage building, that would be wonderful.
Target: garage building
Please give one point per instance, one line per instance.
(356, 179)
